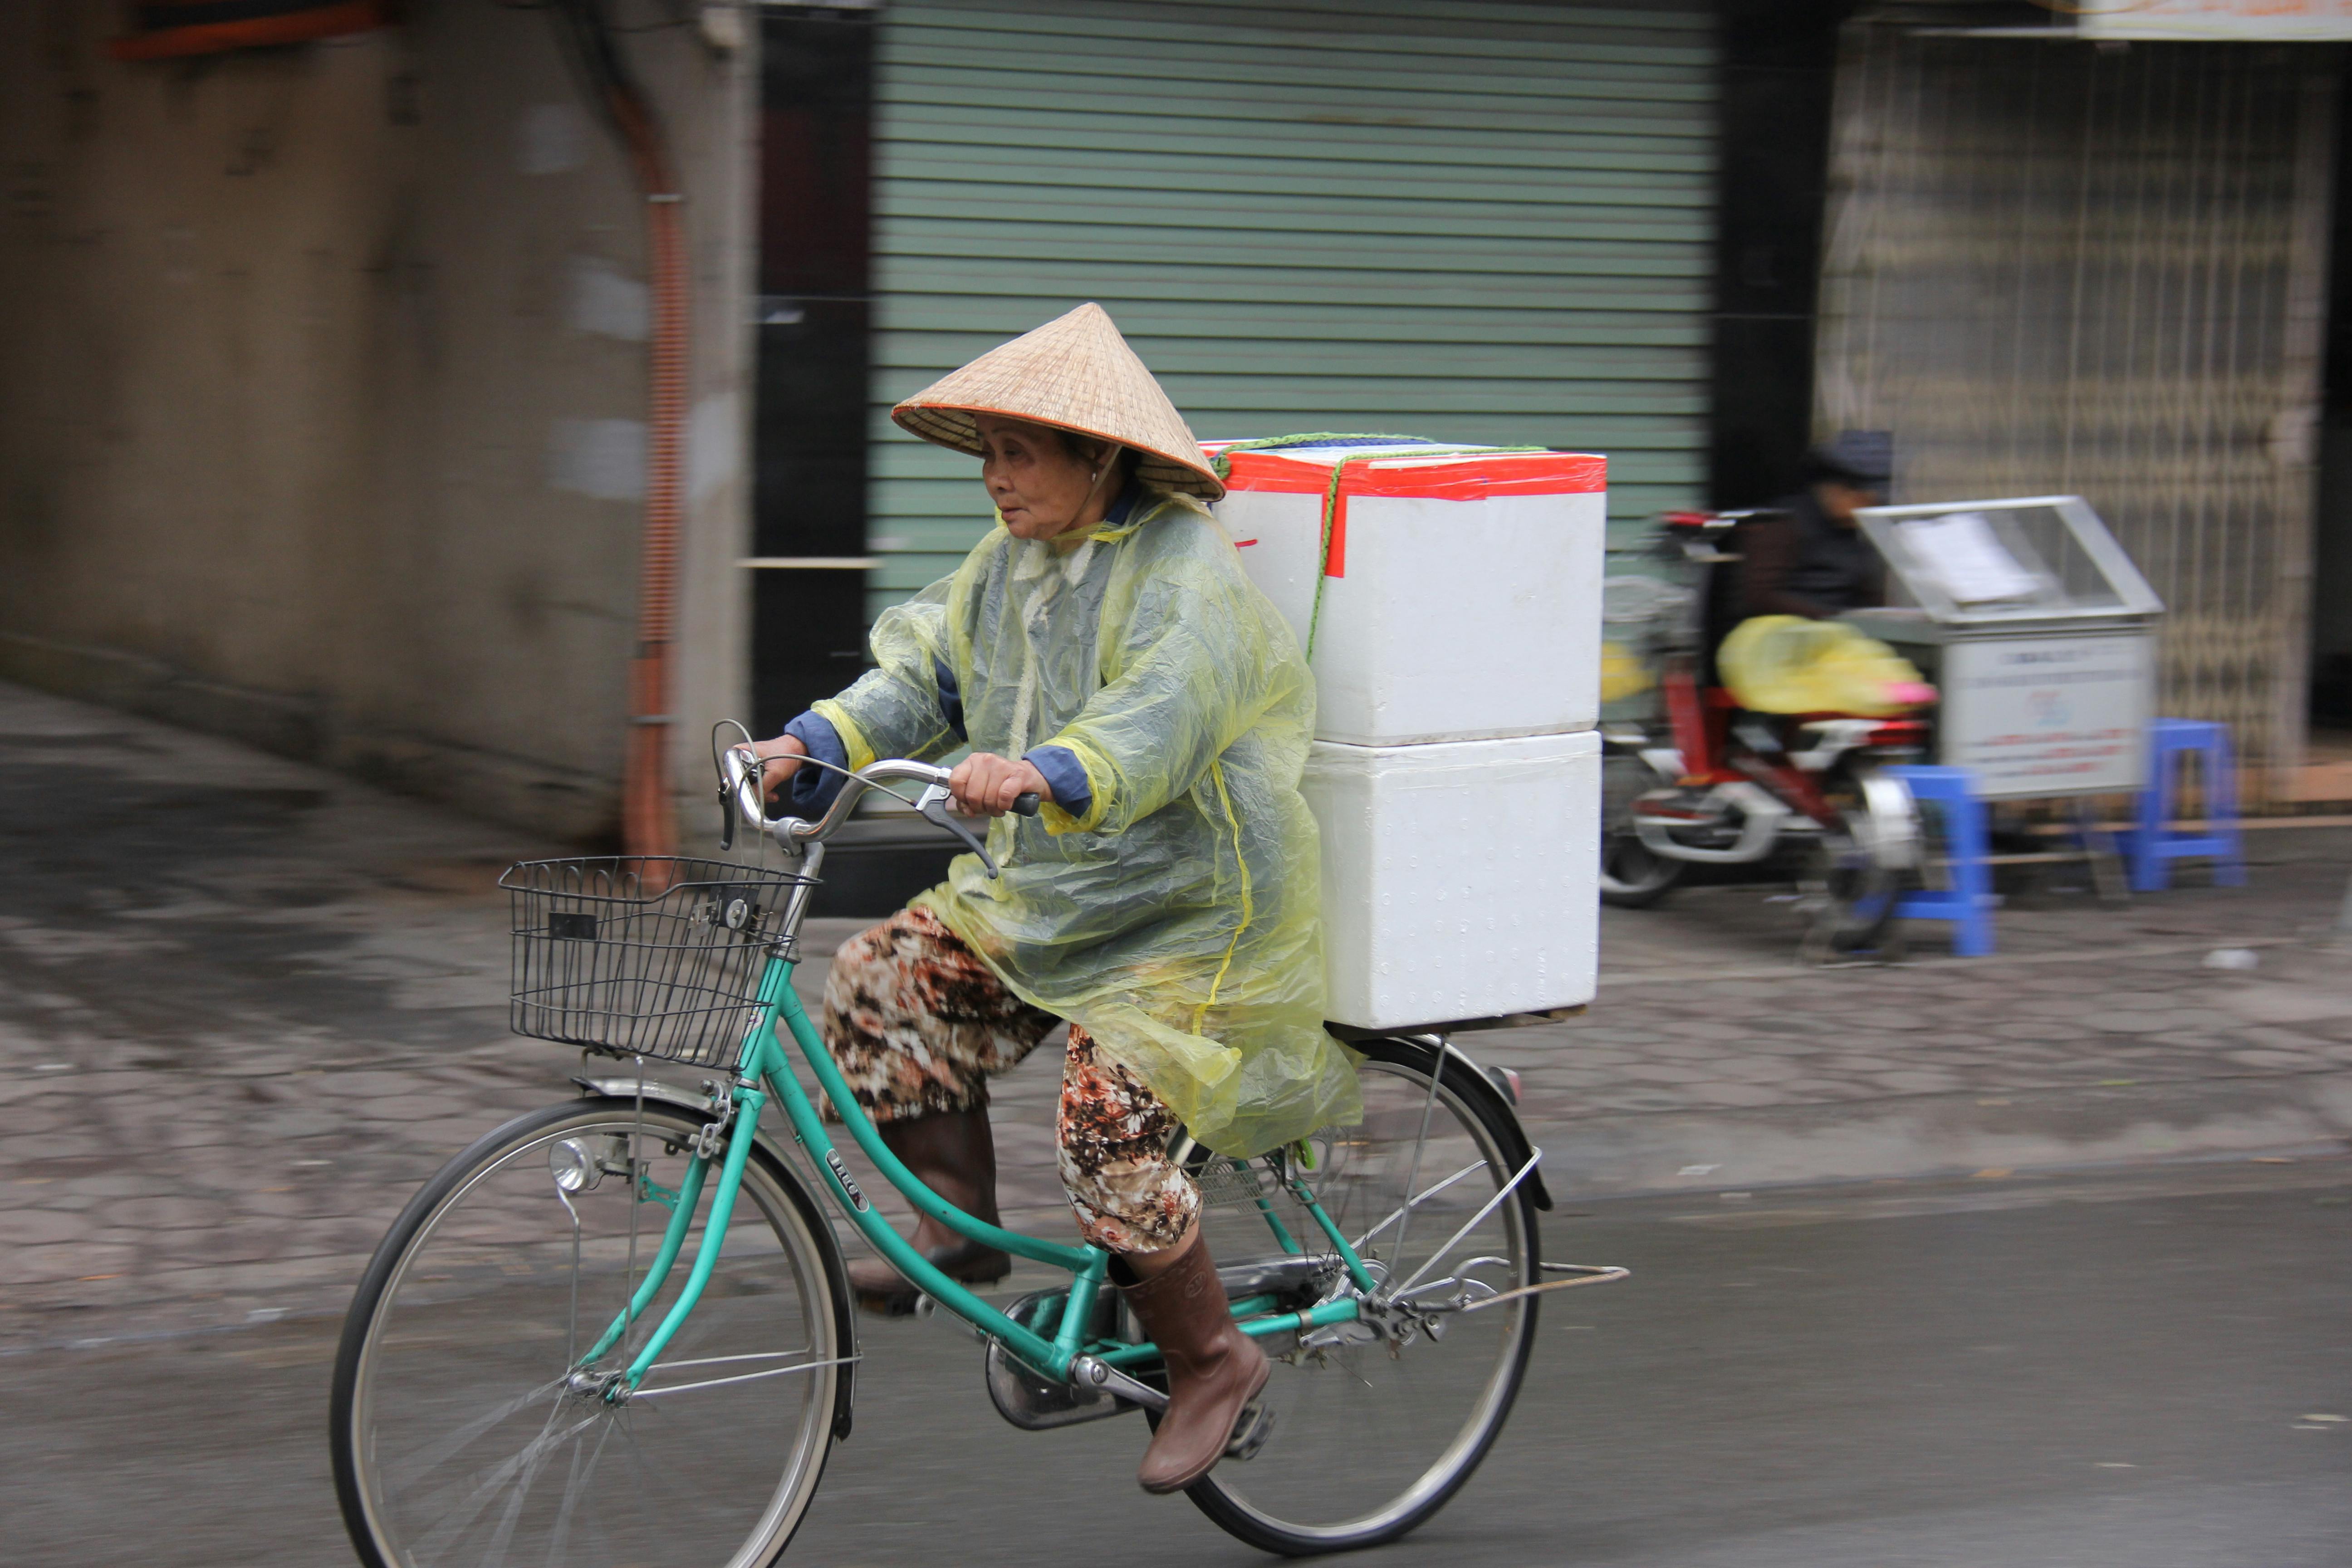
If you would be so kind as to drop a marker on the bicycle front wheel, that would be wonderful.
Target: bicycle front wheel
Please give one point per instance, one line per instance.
(1373, 1434)
(471, 1427)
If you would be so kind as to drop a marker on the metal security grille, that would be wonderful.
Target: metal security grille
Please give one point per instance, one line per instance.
(2055, 268)
(1469, 221)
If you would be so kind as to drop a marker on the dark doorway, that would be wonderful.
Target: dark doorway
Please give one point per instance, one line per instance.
(808, 494)
(1779, 71)
(2331, 585)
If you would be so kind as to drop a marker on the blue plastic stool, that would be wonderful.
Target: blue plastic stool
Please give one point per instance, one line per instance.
(1968, 903)
(2153, 847)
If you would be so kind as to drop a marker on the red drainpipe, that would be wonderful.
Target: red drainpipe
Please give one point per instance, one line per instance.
(168, 30)
(648, 825)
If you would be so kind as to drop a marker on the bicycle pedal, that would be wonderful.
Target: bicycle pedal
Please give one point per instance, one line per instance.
(1252, 1427)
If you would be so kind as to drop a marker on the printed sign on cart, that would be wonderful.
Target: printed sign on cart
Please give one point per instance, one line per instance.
(2048, 716)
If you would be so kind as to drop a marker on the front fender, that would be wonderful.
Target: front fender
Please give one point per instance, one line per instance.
(1890, 828)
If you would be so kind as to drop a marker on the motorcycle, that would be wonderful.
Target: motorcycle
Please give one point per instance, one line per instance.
(1722, 786)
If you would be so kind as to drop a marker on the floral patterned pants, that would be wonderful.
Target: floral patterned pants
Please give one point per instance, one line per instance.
(919, 1024)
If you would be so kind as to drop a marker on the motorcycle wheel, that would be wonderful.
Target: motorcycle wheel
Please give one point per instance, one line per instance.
(1853, 899)
(1854, 879)
(1633, 875)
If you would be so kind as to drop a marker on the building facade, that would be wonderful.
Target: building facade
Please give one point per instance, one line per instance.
(324, 368)
(324, 393)
(2057, 264)
(1488, 222)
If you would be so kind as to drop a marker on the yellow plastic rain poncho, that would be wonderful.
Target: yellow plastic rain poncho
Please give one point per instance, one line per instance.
(1786, 664)
(1179, 920)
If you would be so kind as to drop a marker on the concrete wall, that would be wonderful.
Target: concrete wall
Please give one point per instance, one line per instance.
(322, 377)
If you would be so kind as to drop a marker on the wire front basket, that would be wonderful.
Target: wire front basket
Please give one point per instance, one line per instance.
(650, 955)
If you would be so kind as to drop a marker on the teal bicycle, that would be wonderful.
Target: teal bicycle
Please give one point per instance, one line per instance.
(619, 1329)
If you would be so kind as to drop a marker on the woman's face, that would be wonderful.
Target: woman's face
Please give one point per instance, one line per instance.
(1041, 486)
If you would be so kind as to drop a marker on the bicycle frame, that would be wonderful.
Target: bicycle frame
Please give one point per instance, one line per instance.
(763, 1061)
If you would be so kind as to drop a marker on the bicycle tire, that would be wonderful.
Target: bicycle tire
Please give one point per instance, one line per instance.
(1226, 1495)
(772, 1198)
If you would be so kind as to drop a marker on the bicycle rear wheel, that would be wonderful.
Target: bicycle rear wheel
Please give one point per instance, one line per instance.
(1372, 1434)
(461, 1437)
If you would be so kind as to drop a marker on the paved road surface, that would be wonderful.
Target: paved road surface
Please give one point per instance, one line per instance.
(2114, 1372)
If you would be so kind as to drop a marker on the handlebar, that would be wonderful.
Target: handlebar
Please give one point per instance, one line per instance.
(745, 790)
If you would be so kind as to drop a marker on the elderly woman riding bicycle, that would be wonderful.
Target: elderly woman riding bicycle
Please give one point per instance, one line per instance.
(1102, 648)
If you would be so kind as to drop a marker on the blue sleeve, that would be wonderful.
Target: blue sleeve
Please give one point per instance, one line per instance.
(950, 699)
(1065, 777)
(811, 791)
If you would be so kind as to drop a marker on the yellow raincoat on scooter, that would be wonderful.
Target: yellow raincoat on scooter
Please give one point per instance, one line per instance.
(1179, 920)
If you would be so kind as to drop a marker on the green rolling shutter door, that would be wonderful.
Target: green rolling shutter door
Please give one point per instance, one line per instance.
(1488, 222)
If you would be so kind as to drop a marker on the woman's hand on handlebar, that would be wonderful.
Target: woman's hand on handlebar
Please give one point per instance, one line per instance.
(985, 785)
(782, 759)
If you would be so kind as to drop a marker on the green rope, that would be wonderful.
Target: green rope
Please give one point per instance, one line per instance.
(1323, 556)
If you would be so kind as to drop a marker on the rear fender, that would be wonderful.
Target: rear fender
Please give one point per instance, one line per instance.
(1517, 1148)
(1473, 1083)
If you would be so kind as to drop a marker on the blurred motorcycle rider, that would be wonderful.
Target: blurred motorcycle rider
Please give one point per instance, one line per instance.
(1807, 556)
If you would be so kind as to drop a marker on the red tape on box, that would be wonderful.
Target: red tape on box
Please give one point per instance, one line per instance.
(1449, 479)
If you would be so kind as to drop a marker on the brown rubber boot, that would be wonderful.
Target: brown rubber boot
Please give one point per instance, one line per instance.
(955, 1156)
(1215, 1370)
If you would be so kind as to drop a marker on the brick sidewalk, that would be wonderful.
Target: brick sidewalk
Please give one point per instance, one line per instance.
(245, 1007)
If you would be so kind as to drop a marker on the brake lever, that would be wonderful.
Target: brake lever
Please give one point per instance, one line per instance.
(732, 763)
(932, 803)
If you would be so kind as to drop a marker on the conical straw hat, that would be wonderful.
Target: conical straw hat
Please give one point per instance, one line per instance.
(1075, 372)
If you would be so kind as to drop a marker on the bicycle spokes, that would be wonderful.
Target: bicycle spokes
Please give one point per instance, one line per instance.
(491, 1419)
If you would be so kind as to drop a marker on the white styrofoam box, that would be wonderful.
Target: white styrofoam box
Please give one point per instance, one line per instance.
(1460, 880)
(1462, 594)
